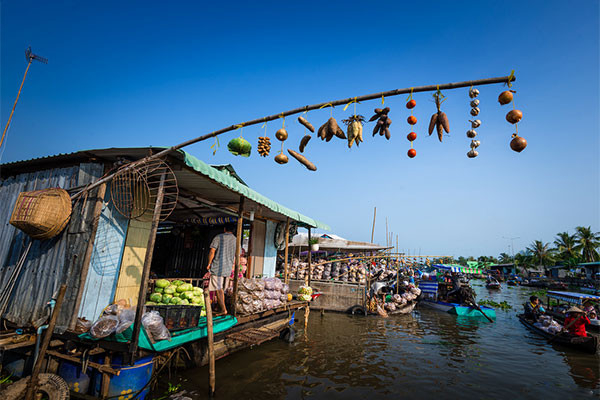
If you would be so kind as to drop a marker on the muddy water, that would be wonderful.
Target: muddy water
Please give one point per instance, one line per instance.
(426, 355)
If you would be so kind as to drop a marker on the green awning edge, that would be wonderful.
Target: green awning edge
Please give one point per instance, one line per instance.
(233, 184)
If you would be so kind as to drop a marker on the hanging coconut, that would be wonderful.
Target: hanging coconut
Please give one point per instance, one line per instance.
(518, 143)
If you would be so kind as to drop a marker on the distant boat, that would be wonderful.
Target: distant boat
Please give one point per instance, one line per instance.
(493, 284)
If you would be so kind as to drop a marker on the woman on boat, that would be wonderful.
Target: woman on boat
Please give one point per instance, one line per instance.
(576, 321)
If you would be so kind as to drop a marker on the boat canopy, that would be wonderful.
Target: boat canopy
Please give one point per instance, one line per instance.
(572, 297)
(458, 268)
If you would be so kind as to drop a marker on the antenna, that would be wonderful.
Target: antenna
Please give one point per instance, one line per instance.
(29, 56)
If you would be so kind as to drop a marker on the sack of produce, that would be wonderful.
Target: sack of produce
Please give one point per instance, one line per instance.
(126, 318)
(283, 298)
(104, 326)
(272, 294)
(269, 283)
(244, 298)
(285, 288)
(82, 325)
(155, 326)
(397, 298)
(304, 297)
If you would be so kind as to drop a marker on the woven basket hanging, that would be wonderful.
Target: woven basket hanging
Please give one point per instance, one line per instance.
(42, 214)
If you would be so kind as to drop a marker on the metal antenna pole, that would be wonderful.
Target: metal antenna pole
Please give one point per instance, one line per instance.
(512, 244)
(30, 57)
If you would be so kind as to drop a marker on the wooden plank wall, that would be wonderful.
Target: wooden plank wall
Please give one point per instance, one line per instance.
(130, 276)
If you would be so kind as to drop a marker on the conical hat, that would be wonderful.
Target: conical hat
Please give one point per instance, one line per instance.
(575, 309)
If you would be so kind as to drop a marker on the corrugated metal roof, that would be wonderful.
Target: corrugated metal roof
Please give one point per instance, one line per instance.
(218, 177)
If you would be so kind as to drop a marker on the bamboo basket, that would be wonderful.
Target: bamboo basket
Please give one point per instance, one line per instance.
(42, 214)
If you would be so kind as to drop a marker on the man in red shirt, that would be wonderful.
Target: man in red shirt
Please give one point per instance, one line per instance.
(576, 321)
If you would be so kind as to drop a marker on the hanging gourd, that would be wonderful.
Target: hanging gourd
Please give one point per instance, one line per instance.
(412, 136)
(514, 116)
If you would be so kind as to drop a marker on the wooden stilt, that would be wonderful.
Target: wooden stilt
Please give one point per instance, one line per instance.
(285, 253)
(238, 252)
(211, 344)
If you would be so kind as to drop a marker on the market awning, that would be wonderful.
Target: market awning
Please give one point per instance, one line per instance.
(572, 297)
(458, 268)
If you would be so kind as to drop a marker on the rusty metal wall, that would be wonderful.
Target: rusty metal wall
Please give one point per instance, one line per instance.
(50, 262)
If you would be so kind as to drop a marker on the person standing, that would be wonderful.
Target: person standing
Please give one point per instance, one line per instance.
(221, 260)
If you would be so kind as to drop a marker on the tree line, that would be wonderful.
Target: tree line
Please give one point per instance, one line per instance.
(567, 249)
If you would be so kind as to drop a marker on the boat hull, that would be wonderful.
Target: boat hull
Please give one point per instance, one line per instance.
(457, 309)
(587, 344)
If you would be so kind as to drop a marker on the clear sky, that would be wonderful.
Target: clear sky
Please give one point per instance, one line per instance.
(139, 73)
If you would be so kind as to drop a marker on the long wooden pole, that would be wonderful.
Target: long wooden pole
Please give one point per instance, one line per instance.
(238, 252)
(373, 230)
(45, 342)
(285, 253)
(211, 344)
(146, 271)
(15, 105)
(389, 93)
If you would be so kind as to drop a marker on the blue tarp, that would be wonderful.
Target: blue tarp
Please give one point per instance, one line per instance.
(572, 297)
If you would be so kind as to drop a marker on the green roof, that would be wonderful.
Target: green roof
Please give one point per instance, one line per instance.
(230, 182)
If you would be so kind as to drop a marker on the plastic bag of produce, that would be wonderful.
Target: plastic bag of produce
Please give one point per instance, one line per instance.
(272, 294)
(285, 288)
(260, 284)
(155, 326)
(283, 298)
(276, 303)
(416, 291)
(258, 295)
(305, 290)
(257, 305)
(304, 297)
(104, 326)
(126, 318)
(268, 304)
(82, 325)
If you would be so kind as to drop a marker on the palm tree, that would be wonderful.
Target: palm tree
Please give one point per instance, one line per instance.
(588, 243)
(505, 258)
(541, 252)
(566, 245)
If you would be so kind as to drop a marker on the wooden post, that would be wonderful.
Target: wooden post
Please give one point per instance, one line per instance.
(211, 344)
(249, 266)
(85, 265)
(45, 342)
(373, 230)
(309, 258)
(146, 271)
(105, 379)
(285, 253)
(238, 252)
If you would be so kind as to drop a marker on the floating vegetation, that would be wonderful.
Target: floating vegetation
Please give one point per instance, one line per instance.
(503, 305)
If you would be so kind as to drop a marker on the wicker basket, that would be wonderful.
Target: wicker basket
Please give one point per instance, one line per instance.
(42, 214)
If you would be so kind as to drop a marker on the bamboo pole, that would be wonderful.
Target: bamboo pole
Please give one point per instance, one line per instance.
(373, 230)
(373, 96)
(211, 344)
(15, 105)
(147, 263)
(285, 253)
(238, 251)
(45, 342)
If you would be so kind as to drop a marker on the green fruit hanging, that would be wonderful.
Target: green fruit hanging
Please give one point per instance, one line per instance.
(239, 147)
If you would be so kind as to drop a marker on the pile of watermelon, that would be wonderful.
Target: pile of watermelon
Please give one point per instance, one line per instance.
(176, 292)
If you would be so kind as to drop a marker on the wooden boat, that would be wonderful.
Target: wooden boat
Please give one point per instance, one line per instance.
(512, 282)
(570, 298)
(405, 309)
(459, 309)
(494, 285)
(588, 344)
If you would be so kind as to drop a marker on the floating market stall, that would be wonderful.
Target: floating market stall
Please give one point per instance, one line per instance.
(121, 198)
(132, 254)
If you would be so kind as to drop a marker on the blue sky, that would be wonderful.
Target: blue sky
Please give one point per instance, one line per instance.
(159, 73)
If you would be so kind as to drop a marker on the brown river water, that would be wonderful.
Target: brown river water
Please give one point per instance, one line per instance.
(426, 355)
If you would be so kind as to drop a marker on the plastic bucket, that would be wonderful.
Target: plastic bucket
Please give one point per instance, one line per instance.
(79, 382)
(131, 379)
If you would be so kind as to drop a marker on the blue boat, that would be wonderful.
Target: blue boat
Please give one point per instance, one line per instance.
(431, 299)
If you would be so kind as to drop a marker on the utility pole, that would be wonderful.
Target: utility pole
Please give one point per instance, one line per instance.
(30, 57)
(512, 245)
